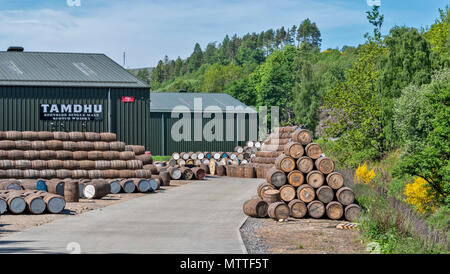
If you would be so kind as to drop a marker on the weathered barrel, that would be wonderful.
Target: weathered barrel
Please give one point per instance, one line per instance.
(128, 185)
(152, 168)
(16, 203)
(111, 155)
(164, 178)
(287, 193)
(335, 180)
(126, 173)
(352, 212)
(47, 154)
(108, 137)
(221, 170)
(186, 173)
(127, 155)
(70, 146)
(271, 196)
(2, 173)
(199, 173)
(11, 184)
(294, 149)
(102, 165)
(134, 164)
(278, 211)
(85, 145)
(3, 205)
(302, 136)
(71, 164)
(63, 173)
(33, 184)
(61, 135)
(76, 136)
(55, 164)
(56, 186)
(55, 203)
(95, 155)
(95, 174)
(285, 163)
(111, 173)
(255, 207)
(4, 155)
(39, 165)
(138, 150)
(297, 209)
(71, 191)
(117, 146)
(142, 185)
(23, 145)
(306, 193)
(6, 164)
(96, 189)
(175, 155)
(30, 135)
(145, 158)
(295, 178)
(7, 145)
(101, 146)
(118, 164)
(249, 172)
(92, 136)
(87, 164)
(174, 172)
(54, 145)
(79, 174)
(262, 188)
(64, 155)
(13, 135)
(315, 179)
(313, 150)
(276, 177)
(316, 209)
(305, 164)
(154, 184)
(345, 196)
(14, 173)
(325, 165)
(15, 154)
(114, 185)
(31, 174)
(325, 194)
(38, 145)
(334, 210)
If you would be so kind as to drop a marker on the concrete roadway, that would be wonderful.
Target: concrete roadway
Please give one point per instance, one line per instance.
(200, 217)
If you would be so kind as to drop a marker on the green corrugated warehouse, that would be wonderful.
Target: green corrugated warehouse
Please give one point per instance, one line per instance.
(47, 91)
(168, 109)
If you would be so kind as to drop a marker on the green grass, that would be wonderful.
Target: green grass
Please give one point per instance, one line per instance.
(160, 158)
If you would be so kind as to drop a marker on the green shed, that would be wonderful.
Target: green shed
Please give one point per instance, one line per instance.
(183, 122)
(49, 91)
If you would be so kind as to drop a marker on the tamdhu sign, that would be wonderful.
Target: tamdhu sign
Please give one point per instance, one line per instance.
(71, 112)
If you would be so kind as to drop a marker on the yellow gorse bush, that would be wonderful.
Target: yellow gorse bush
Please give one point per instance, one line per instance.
(364, 175)
(420, 195)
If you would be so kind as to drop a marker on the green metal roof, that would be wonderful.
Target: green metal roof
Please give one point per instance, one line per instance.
(168, 101)
(64, 69)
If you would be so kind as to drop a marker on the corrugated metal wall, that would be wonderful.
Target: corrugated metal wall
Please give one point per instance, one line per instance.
(162, 143)
(19, 110)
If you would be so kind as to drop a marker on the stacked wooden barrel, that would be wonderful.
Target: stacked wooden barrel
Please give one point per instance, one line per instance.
(30, 201)
(302, 181)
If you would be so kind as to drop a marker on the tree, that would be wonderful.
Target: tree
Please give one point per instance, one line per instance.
(178, 66)
(292, 35)
(439, 38)
(196, 58)
(158, 75)
(355, 107)
(376, 19)
(143, 75)
(308, 33)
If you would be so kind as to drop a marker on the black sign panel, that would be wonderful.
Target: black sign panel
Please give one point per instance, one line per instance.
(70, 112)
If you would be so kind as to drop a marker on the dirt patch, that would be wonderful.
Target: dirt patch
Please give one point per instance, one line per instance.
(300, 236)
(10, 223)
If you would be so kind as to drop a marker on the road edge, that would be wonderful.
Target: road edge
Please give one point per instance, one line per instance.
(238, 231)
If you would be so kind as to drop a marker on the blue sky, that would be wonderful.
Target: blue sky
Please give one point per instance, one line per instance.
(149, 29)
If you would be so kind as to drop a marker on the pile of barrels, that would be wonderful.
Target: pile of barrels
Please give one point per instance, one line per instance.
(301, 182)
(30, 201)
(166, 171)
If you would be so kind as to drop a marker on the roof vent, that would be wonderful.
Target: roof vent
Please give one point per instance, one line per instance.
(19, 49)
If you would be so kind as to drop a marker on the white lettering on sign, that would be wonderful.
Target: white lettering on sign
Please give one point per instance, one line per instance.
(68, 112)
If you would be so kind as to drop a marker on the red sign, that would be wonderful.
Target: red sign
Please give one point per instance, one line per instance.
(127, 99)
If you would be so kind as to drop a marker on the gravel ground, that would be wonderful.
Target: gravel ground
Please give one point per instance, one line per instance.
(253, 243)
